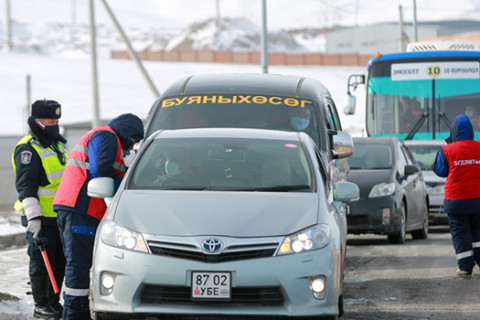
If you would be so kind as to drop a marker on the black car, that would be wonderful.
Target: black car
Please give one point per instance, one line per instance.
(393, 195)
(259, 101)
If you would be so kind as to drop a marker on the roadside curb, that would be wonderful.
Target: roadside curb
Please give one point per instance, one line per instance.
(12, 233)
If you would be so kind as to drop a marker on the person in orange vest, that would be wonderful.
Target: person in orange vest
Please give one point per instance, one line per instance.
(99, 153)
(39, 160)
(459, 162)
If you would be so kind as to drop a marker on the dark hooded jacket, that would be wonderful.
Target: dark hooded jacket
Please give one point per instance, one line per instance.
(459, 162)
(102, 152)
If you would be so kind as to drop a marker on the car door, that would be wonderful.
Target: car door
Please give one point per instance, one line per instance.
(413, 189)
(419, 189)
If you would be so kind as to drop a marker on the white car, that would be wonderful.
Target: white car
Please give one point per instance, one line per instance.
(424, 152)
(247, 222)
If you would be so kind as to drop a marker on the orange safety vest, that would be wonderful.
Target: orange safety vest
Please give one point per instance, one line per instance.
(75, 175)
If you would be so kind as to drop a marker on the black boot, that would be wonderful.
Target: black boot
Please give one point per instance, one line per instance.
(40, 297)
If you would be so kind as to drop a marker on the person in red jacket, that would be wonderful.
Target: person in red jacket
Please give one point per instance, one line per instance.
(459, 162)
(99, 153)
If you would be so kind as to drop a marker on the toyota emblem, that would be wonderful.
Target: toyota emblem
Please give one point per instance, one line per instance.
(212, 246)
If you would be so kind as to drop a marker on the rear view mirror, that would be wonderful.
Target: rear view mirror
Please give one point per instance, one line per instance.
(102, 187)
(349, 104)
(409, 169)
(342, 145)
(346, 192)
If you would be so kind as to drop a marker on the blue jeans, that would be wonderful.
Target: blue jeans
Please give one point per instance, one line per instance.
(78, 234)
(465, 231)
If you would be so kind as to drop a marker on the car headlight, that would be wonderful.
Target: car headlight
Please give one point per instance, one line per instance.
(306, 240)
(382, 189)
(119, 236)
(438, 189)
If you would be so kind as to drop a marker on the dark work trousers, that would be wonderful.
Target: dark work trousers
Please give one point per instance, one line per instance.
(36, 268)
(465, 231)
(78, 234)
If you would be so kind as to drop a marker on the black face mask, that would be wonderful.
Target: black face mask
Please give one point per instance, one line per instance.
(52, 131)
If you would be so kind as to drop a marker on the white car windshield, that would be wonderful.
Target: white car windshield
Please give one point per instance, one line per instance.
(223, 164)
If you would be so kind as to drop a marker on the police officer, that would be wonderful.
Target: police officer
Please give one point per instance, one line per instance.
(39, 160)
(99, 153)
(459, 162)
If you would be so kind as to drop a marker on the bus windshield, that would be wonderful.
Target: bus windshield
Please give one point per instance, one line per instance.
(420, 100)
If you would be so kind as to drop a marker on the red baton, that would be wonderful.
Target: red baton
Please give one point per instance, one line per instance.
(41, 245)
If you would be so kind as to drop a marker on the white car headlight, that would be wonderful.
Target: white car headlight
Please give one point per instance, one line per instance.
(439, 189)
(306, 240)
(382, 189)
(119, 236)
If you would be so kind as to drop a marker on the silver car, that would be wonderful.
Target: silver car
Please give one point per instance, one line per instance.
(221, 222)
(424, 152)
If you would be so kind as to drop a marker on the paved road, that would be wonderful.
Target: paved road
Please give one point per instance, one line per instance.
(415, 280)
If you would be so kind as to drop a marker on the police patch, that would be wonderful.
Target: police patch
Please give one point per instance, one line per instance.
(26, 157)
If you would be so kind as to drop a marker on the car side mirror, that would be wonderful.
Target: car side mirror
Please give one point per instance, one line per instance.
(409, 169)
(102, 187)
(342, 145)
(345, 191)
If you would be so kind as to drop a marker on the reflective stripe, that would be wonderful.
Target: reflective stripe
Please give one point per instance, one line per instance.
(47, 153)
(476, 244)
(78, 163)
(464, 255)
(119, 167)
(80, 148)
(75, 292)
(56, 174)
(45, 192)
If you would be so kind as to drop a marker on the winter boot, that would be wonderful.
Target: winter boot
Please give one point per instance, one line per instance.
(40, 297)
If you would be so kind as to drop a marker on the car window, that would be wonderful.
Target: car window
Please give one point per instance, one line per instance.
(424, 155)
(237, 111)
(333, 119)
(408, 156)
(371, 156)
(223, 164)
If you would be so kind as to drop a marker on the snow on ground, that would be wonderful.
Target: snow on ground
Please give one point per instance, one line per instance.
(122, 88)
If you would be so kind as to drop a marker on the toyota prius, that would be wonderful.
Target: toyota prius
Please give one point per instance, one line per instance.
(222, 222)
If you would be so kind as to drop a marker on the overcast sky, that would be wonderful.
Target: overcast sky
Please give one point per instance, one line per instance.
(281, 13)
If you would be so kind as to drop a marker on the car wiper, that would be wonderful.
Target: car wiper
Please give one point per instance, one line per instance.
(284, 188)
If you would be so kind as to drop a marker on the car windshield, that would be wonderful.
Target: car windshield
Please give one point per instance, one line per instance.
(223, 164)
(424, 155)
(371, 156)
(237, 111)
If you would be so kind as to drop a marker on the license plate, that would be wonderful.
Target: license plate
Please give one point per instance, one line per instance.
(211, 285)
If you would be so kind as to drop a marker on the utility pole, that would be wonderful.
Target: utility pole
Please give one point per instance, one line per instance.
(93, 61)
(402, 33)
(415, 30)
(264, 38)
(74, 21)
(9, 26)
(217, 8)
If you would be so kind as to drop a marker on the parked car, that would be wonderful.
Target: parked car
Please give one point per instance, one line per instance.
(393, 195)
(425, 151)
(262, 101)
(254, 226)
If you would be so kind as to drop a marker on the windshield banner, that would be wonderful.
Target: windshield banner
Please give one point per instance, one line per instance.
(435, 70)
(234, 99)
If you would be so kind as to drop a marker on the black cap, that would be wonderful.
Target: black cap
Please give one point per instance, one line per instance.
(46, 109)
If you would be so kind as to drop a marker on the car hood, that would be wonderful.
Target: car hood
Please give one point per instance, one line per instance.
(366, 179)
(236, 214)
(430, 177)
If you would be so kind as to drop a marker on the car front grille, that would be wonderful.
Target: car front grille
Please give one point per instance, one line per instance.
(250, 296)
(231, 253)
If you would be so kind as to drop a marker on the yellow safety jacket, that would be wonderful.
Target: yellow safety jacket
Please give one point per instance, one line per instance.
(53, 169)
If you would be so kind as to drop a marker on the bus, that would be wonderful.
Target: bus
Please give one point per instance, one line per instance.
(417, 94)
